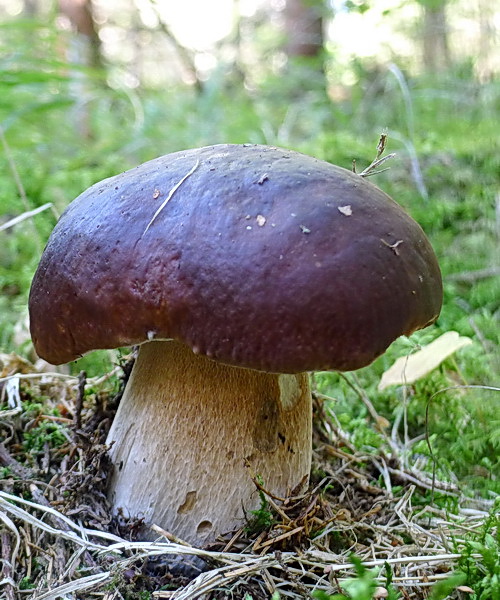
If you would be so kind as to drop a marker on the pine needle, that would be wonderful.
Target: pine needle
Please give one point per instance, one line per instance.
(170, 194)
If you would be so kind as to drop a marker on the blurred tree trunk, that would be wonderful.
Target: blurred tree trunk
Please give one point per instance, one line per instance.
(83, 48)
(436, 53)
(304, 45)
(304, 27)
(88, 46)
(487, 38)
(30, 8)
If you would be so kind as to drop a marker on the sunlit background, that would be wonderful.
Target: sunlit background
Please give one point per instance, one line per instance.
(142, 38)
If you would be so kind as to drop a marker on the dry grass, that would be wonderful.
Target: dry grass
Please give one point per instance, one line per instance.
(58, 540)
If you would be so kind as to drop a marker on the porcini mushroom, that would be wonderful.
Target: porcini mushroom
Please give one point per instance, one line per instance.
(237, 269)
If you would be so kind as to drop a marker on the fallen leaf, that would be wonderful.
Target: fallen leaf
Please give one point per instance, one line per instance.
(411, 368)
(382, 423)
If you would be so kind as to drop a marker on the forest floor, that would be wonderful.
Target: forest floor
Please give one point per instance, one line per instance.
(357, 533)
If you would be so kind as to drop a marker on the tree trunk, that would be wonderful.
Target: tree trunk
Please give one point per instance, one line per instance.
(485, 66)
(83, 48)
(304, 27)
(80, 15)
(31, 8)
(436, 53)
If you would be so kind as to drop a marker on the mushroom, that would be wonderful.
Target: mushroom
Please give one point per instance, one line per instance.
(236, 269)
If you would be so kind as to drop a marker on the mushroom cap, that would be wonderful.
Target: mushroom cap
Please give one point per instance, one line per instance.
(260, 257)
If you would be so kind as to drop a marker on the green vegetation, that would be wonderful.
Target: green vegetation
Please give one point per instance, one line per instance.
(483, 574)
(261, 518)
(26, 584)
(361, 587)
(365, 585)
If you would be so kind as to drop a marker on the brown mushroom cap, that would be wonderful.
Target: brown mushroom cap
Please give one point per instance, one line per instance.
(261, 257)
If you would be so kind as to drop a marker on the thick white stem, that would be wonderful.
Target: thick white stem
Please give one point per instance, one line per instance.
(187, 427)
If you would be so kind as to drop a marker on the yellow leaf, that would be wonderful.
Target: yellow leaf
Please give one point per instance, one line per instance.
(411, 368)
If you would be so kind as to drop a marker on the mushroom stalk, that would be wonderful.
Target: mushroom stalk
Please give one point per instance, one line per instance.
(190, 432)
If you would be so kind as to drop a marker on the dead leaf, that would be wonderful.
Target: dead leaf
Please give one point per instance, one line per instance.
(411, 368)
(382, 423)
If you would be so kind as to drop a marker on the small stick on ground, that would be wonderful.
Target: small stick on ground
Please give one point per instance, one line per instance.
(19, 470)
(82, 380)
(7, 571)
